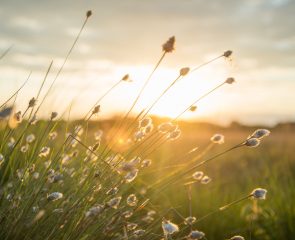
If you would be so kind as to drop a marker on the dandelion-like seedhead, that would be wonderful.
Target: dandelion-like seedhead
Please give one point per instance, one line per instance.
(260, 133)
(227, 53)
(88, 13)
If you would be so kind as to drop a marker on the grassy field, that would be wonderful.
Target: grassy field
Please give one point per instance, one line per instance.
(141, 177)
(28, 213)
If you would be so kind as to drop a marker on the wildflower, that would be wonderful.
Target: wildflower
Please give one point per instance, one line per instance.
(145, 122)
(169, 45)
(205, 180)
(217, 138)
(44, 152)
(96, 109)
(195, 234)
(53, 115)
(132, 200)
(1, 159)
(146, 163)
(237, 238)
(260, 133)
(130, 176)
(230, 80)
(227, 53)
(198, 175)
(169, 228)
(189, 220)
(24, 148)
(95, 211)
(52, 135)
(193, 108)
(32, 102)
(98, 134)
(54, 196)
(114, 202)
(30, 138)
(259, 193)
(252, 142)
(88, 13)
(184, 71)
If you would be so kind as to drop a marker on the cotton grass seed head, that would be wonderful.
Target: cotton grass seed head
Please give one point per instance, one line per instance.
(32, 102)
(88, 13)
(227, 53)
(184, 71)
(195, 234)
(260, 133)
(44, 152)
(252, 142)
(114, 202)
(189, 220)
(94, 211)
(53, 115)
(169, 228)
(96, 109)
(145, 122)
(193, 108)
(198, 175)
(169, 46)
(259, 193)
(230, 80)
(217, 138)
(54, 196)
(130, 176)
(237, 238)
(30, 138)
(206, 180)
(132, 200)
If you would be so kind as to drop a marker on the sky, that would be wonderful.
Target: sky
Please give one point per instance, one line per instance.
(126, 36)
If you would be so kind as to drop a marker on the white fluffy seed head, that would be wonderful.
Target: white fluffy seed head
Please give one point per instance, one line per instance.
(230, 80)
(237, 238)
(217, 138)
(259, 193)
(198, 175)
(54, 196)
(195, 234)
(260, 133)
(114, 202)
(132, 200)
(252, 142)
(169, 228)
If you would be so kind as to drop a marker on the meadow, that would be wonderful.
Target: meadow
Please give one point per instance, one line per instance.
(138, 176)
